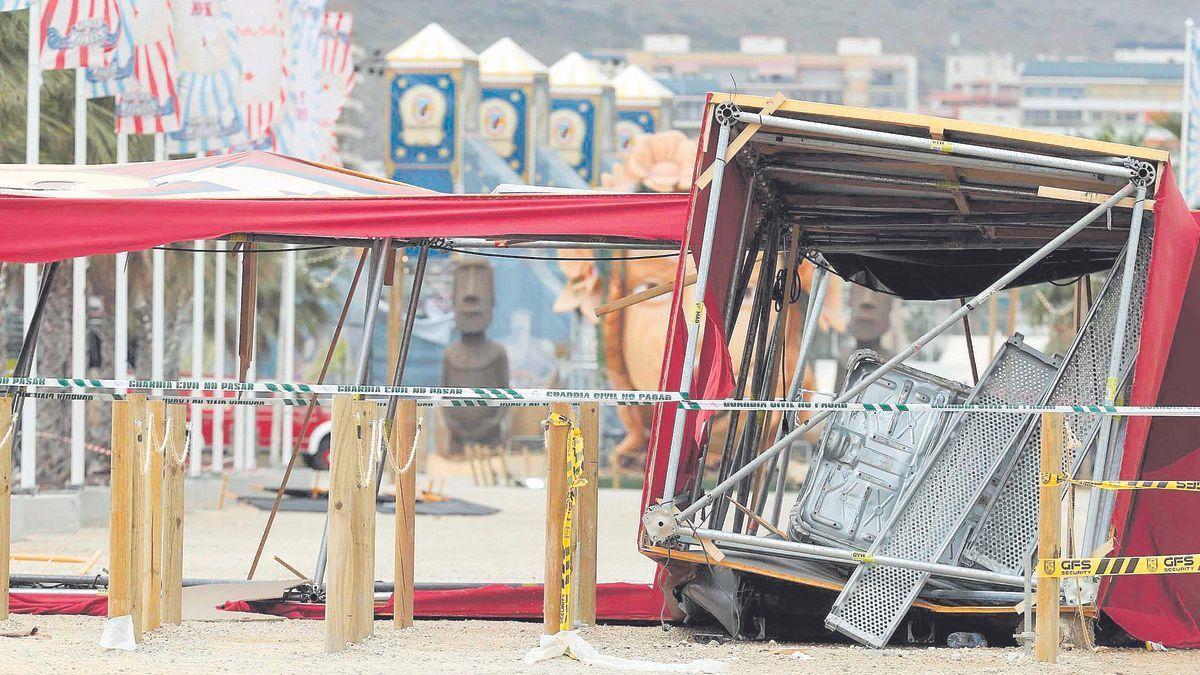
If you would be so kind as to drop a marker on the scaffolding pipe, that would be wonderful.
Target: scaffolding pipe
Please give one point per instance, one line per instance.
(1008, 278)
(1092, 525)
(856, 557)
(896, 181)
(938, 147)
(696, 315)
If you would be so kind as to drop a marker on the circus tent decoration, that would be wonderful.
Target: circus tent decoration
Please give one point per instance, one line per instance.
(581, 106)
(642, 105)
(513, 99)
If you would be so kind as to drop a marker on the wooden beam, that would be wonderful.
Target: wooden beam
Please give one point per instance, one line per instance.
(1046, 627)
(642, 296)
(172, 559)
(742, 139)
(404, 432)
(589, 424)
(556, 503)
(152, 482)
(120, 525)
(6, 445)
(1083, 197)
(247, 309)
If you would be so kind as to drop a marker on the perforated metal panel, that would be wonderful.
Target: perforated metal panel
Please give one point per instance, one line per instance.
(876, 598)
(865, 461)
(1007, 532)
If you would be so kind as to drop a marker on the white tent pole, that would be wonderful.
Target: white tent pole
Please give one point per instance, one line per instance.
(197, 348)
(286, 347)
(158, 259)
(33, 112)
(218, 428)
(121, 318)
(79, 300)
(239, 457)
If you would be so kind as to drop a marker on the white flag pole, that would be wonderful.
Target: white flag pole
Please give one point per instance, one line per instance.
(197, 348)
(218, 426)
(1186, 165)
(33, 112)
(79, 298)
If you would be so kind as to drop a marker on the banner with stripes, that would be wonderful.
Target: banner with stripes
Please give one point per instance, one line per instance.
(150, 103)
(297, 133)
(1190, 142)
(13, 5)
(260, 47)
(336, 80)
(115, 77)
(209, 76)
(78, 33)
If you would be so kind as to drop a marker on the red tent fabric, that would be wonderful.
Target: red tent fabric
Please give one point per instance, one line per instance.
(1163, 608)
(54, 213)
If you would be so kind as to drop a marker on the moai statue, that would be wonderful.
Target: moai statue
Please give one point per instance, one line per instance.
(473, 360)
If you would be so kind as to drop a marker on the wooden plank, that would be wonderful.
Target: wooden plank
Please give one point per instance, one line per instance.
(139, 506)
(364, 526)
(6, 446)
(917, 121)
(556, 503)
(152, 481)
(340, 606)
(1046, 627)
(1083, 197)
(589, 424)
(120, 523)
(404, 432)
(642, 296)
(742, 138)
(172, 559)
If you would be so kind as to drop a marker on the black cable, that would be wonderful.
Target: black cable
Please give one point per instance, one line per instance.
(186, 249)
(517, 256)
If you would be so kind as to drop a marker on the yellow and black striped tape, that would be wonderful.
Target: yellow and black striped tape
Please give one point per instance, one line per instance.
(1052, 479)
(1184, 563)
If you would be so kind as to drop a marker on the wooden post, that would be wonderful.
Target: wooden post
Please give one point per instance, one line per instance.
(152, 481)
(1046, 628)
(172, 559)
(589, 424)
(404, 431)
(120, 525)
(556, 502)
(138, 506)
(6, 445)
(349, 596)
(364, 527)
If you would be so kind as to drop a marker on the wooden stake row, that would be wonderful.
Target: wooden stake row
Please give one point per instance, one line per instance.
(583, 577)
(146, 512)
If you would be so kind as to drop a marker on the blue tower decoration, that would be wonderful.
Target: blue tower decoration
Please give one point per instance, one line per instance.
(643, 106)
(581, 115)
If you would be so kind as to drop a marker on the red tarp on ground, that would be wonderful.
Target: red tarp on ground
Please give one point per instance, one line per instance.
(54, 213)
(1163, 608)
(614, 602)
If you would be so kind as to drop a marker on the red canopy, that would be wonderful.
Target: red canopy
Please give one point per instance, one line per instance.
(52, 213)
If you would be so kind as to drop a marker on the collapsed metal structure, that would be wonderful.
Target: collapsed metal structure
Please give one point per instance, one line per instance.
(925, 508)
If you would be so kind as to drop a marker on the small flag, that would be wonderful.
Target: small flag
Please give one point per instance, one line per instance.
(150, 103)
(260, 47)
(297, 133)
(117, 76)
(78, 33)
(209, 75)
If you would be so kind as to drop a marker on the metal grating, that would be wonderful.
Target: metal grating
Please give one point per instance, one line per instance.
(866, 461)
(1007, 533)
(876, 598)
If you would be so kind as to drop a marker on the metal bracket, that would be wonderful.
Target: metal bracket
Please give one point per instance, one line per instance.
(726, 114)
(1141, 173)
(660, 522)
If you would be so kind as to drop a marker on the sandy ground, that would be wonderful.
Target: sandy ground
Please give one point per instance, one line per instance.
(507, 546)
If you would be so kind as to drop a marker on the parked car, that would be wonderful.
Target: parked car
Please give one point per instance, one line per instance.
(314, 440)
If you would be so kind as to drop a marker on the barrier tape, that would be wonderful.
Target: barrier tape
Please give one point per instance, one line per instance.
(575, 480)
(1060, 568)
(1053, 479)
(505, 396)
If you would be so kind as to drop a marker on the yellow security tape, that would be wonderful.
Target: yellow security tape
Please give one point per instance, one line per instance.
(1052, 479)
(575, 480)
(1184, 563)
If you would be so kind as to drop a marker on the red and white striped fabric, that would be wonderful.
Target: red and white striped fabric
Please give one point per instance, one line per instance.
(152, 104)
(261, 47)
(336, 80)
(78, 33)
